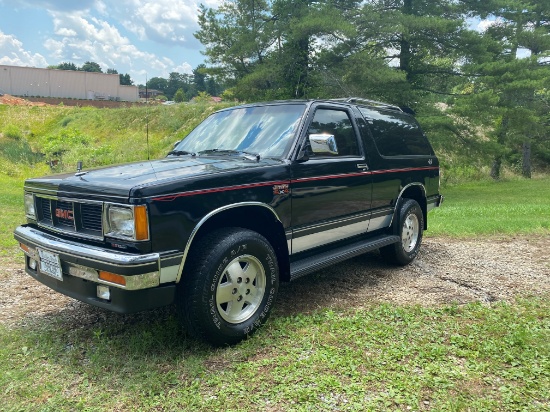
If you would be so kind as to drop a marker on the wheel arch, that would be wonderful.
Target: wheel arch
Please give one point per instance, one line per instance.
(255, 216)
(415, 191)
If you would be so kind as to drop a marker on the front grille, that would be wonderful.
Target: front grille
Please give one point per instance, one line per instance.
(82, 219)
(90, 216)
(45, 210)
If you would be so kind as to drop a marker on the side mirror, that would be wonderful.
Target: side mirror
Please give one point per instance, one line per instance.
(323, 144)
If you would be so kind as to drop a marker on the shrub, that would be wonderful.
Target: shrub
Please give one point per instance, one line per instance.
(65, 140)
(12, 132)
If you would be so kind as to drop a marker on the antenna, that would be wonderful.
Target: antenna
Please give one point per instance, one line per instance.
(147, 114)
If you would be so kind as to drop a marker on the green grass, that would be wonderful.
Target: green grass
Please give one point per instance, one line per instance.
(516, 206)
(11, 201)
(381, 357)
(95, 136)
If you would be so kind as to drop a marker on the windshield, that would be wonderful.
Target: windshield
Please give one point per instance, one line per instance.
(263, 130)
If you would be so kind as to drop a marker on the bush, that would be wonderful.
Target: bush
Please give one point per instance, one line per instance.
(65, 140)
(12, 132)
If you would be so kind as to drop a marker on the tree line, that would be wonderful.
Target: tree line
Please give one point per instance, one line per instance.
(483, 91)
(184, 87)
(89, 66)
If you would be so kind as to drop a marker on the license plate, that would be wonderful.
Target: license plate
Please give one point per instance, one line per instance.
(50, 264)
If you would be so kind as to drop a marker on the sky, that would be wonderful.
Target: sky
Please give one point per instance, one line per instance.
(144, 38)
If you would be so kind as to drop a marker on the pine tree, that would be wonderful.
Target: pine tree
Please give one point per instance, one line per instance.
(512, 82)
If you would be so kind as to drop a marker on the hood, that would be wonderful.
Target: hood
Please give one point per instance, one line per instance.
(120, 180)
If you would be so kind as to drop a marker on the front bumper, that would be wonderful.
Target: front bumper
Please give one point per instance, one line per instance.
(149, 279)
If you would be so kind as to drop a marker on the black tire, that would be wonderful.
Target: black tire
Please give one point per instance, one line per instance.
(409, 226)
(229, 286)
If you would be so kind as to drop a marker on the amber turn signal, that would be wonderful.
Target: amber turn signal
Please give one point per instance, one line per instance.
(112, 277)
(141, 223)
(24, 247)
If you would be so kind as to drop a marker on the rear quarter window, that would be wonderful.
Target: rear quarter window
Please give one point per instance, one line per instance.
(396, 134)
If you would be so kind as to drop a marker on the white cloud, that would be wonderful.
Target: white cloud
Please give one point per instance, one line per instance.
(14, 54)
(81, 38)
(483, 25)
(163, 21)
(183, 68)
(92, 39)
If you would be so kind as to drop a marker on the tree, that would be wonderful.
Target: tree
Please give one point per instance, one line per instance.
(408, 52)
(199, 78)
(485, 92)
(112, 71)
(125, 79)
(177, 81)
(267, 49)
(91, 67)
(157, 83)
(179, 96)
(66, 66)
(512, 82)
(237, 35)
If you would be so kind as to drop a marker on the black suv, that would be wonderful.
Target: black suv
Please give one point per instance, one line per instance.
(255, 195)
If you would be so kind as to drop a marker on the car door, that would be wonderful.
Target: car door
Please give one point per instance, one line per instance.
(331, 190)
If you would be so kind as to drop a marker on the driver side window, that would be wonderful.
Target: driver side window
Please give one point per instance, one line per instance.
(338, 124)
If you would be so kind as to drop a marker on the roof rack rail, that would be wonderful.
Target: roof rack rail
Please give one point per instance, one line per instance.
(369, 102)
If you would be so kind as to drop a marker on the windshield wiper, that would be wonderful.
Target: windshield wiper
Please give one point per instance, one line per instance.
(180, 153)
(246, 155)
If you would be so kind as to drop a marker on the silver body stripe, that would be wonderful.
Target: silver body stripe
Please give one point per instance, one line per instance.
(320, 238)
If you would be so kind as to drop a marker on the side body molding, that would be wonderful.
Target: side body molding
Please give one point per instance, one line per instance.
(208, 216)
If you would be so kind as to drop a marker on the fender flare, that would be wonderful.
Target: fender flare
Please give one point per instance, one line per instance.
(400, 198)
(210, 215)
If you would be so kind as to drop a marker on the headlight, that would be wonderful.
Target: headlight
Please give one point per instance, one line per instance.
(127, 222)
(29, 206)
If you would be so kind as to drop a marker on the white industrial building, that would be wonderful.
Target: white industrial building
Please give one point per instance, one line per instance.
(30, 81)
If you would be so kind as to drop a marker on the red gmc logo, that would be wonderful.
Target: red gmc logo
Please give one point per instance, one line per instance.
(64, 214)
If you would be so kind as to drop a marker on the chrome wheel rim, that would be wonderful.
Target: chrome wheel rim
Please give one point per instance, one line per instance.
(241, 289)
(409, 233)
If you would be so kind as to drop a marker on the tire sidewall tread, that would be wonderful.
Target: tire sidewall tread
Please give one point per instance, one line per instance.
(196, 293)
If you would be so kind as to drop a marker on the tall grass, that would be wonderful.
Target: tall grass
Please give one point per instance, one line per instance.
(96, 136)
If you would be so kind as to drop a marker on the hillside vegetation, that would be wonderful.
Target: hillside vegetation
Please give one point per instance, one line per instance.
(32, 137)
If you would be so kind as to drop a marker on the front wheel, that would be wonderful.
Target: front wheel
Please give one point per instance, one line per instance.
(229, 286)
(410, 226)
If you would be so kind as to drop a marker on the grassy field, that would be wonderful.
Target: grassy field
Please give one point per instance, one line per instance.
(469, 358)
(380, 357)
(508, 207)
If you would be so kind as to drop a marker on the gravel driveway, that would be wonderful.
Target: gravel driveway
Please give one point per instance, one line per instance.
(446, 271)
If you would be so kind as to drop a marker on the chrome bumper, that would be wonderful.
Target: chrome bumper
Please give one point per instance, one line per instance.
(85, 261)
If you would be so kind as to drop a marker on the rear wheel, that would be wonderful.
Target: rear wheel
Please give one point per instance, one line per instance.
(409, 227)
(229, 286)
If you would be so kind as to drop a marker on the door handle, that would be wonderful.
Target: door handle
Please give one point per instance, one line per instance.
(363, 166)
